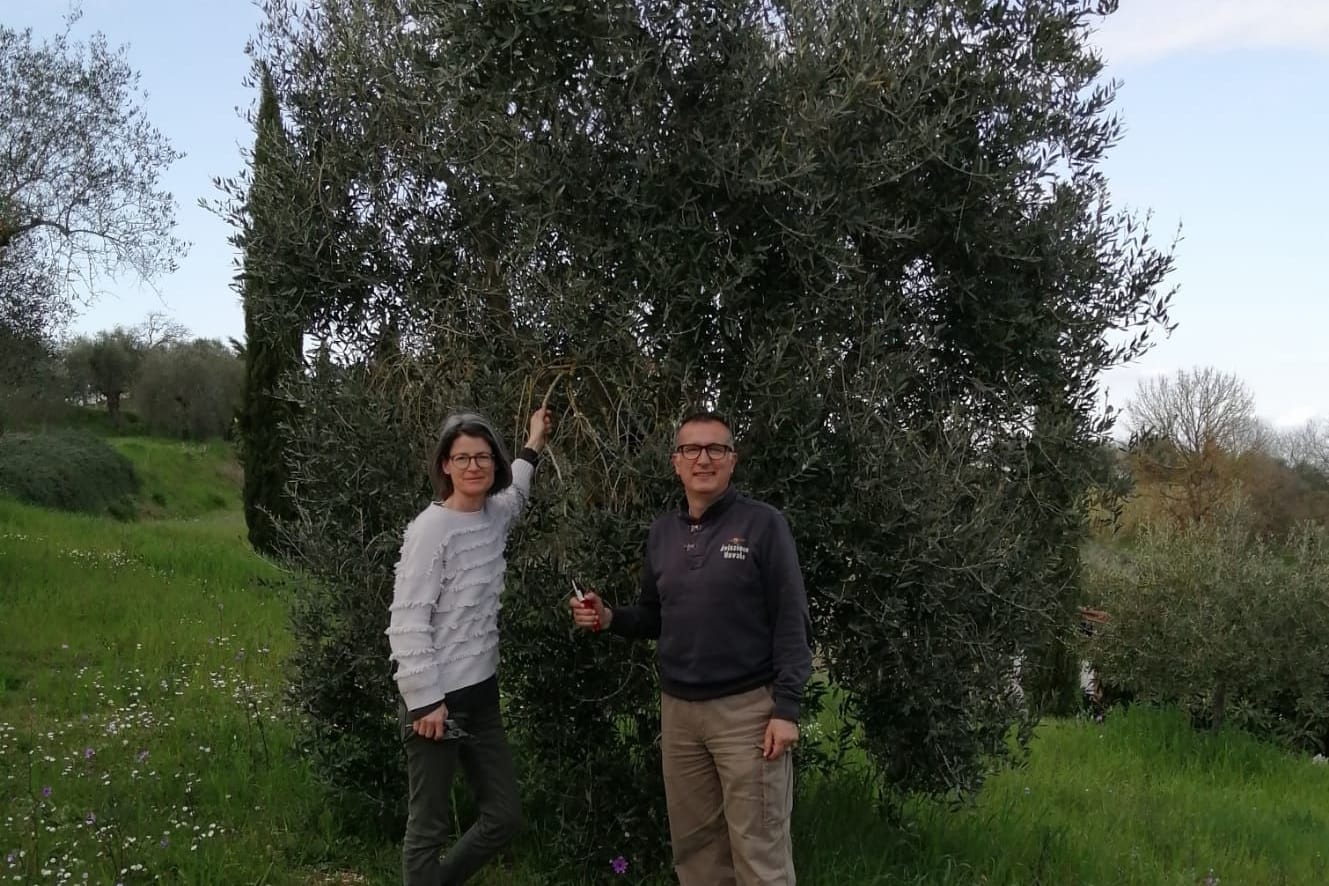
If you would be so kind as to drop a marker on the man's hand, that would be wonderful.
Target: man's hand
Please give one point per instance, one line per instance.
(538, 432)
(596, 615)
(780, 736)
(431, 724)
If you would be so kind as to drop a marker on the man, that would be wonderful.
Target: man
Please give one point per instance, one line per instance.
(722, 592)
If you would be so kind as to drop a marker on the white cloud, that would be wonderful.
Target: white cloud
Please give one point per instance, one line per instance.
(1146, 30)
(1295, 418)
(1121, 382)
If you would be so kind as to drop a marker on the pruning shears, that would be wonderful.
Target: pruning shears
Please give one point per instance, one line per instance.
(585, 604)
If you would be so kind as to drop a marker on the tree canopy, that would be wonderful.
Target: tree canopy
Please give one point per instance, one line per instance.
(81, 198)
(877, 236)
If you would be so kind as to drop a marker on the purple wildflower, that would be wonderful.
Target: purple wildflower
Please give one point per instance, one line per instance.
(87, 753)
(619, 865)
(165, 841)
(46, 791)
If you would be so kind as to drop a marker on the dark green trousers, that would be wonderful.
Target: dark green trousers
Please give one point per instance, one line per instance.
(486, 759)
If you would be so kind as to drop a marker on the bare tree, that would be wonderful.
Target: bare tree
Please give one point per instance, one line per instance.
(159, 329)
(1190, 427)
(1308, 445)
(1196, 409)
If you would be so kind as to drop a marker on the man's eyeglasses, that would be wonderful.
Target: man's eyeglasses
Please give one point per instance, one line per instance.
(693, 451)
(463, 460)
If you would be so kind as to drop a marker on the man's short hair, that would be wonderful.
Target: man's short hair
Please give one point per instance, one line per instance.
(706, 415)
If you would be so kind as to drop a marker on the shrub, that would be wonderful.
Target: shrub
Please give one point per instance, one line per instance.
(190, 391)
(68, 470)
(1213, 618)
(347, 535)
(1051, 676)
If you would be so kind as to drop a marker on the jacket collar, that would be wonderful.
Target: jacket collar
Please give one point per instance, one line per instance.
(713, 510)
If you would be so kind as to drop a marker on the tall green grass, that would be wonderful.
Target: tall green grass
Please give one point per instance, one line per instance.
(92, 419)
(141, 668)
(1140, 799)
(181, 479)
(141, 722)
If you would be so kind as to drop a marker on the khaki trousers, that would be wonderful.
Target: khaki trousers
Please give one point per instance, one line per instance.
(729, 808)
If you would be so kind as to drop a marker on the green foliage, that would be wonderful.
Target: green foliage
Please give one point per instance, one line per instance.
(1050, 677)
(1216, 619)
(347, 541)
(105, 366)
(68, 470)
(877, 236)
(32, 313)
(1281, 498)
(190, 391)
(273, 339)
(32, 380)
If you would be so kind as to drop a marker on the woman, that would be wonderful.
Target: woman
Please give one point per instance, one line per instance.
(444, 637)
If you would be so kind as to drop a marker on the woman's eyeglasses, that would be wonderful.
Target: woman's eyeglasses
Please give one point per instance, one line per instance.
(463, 460)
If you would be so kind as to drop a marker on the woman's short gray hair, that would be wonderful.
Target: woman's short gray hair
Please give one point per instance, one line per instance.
(471, 424)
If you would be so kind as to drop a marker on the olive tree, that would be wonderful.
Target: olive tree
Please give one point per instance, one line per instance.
(81, 197)
(877, 236)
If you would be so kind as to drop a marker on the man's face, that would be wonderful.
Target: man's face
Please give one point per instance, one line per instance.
(707, 474)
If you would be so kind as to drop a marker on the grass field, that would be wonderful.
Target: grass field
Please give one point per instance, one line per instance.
(143, 738)
(183, 479)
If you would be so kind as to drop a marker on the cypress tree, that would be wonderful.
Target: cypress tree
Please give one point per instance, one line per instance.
(272, 330)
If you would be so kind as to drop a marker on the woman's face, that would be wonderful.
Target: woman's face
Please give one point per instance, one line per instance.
(470, 466)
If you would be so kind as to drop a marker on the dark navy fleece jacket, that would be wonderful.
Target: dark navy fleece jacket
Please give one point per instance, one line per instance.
(724, 597)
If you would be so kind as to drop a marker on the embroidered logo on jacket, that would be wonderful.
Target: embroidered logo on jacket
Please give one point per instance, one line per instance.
(735, 549)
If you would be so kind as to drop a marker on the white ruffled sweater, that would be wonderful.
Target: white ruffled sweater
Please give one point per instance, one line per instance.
(443, 625)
